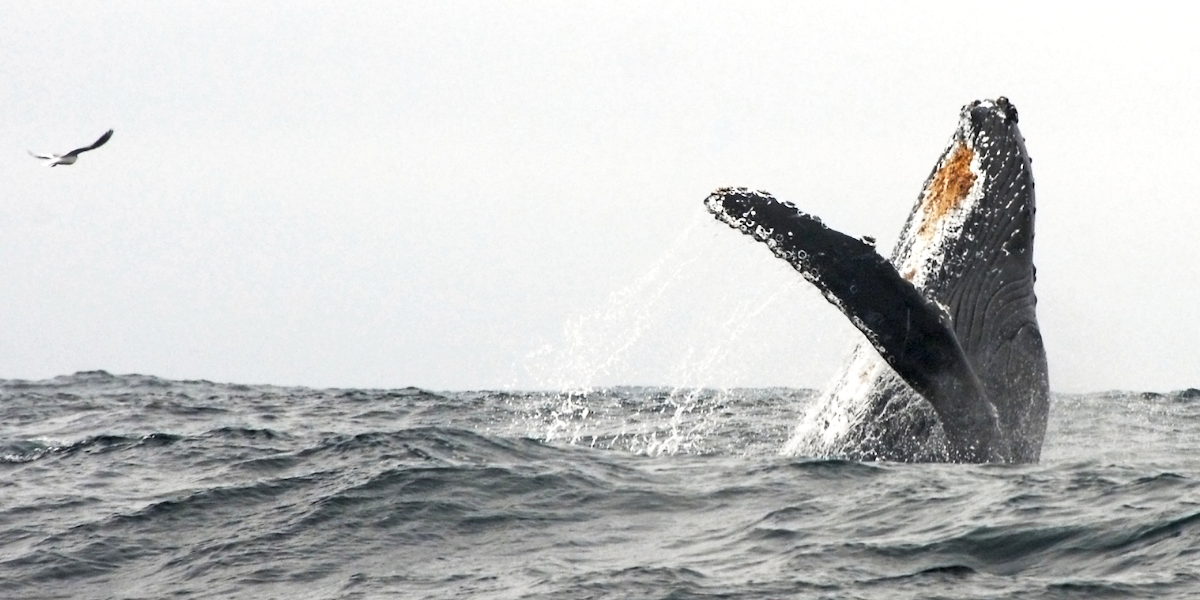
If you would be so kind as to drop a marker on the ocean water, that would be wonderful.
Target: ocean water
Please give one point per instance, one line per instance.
(130, 486)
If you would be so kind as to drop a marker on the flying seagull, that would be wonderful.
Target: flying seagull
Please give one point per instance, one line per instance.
(53, 160)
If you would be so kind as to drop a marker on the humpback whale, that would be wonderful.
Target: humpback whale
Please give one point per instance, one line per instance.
(952, 368)
(53, 160)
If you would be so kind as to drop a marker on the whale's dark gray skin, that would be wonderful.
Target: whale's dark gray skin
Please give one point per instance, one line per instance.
(955, 369)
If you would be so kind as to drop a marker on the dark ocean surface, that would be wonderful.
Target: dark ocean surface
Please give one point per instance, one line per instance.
(130, 486)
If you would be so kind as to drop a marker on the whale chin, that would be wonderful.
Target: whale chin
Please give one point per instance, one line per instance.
(952, 367)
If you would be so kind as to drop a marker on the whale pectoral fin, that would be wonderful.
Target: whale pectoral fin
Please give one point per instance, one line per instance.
(912, 334)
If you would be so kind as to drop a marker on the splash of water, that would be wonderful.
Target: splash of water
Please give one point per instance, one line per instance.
(611, 340)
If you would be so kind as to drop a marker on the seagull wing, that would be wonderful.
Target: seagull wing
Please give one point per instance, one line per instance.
(41, 156)
(100, 142)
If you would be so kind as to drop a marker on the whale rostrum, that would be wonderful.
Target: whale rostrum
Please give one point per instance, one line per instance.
(953, 367)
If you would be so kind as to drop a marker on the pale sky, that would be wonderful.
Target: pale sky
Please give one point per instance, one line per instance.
(509, 195)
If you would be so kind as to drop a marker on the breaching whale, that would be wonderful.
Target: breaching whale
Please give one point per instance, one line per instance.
(953, 367)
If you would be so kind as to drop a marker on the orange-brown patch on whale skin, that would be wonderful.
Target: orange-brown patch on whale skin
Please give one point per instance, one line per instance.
(950, 185)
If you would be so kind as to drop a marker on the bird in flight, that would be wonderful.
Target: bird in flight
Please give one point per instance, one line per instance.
(53, 160)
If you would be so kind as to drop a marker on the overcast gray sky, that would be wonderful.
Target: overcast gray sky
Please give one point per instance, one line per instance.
(479, 195)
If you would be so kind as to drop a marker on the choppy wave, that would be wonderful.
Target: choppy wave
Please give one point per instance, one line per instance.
(139, 487)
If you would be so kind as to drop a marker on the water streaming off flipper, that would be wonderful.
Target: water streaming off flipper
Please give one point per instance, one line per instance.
(705, 315)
